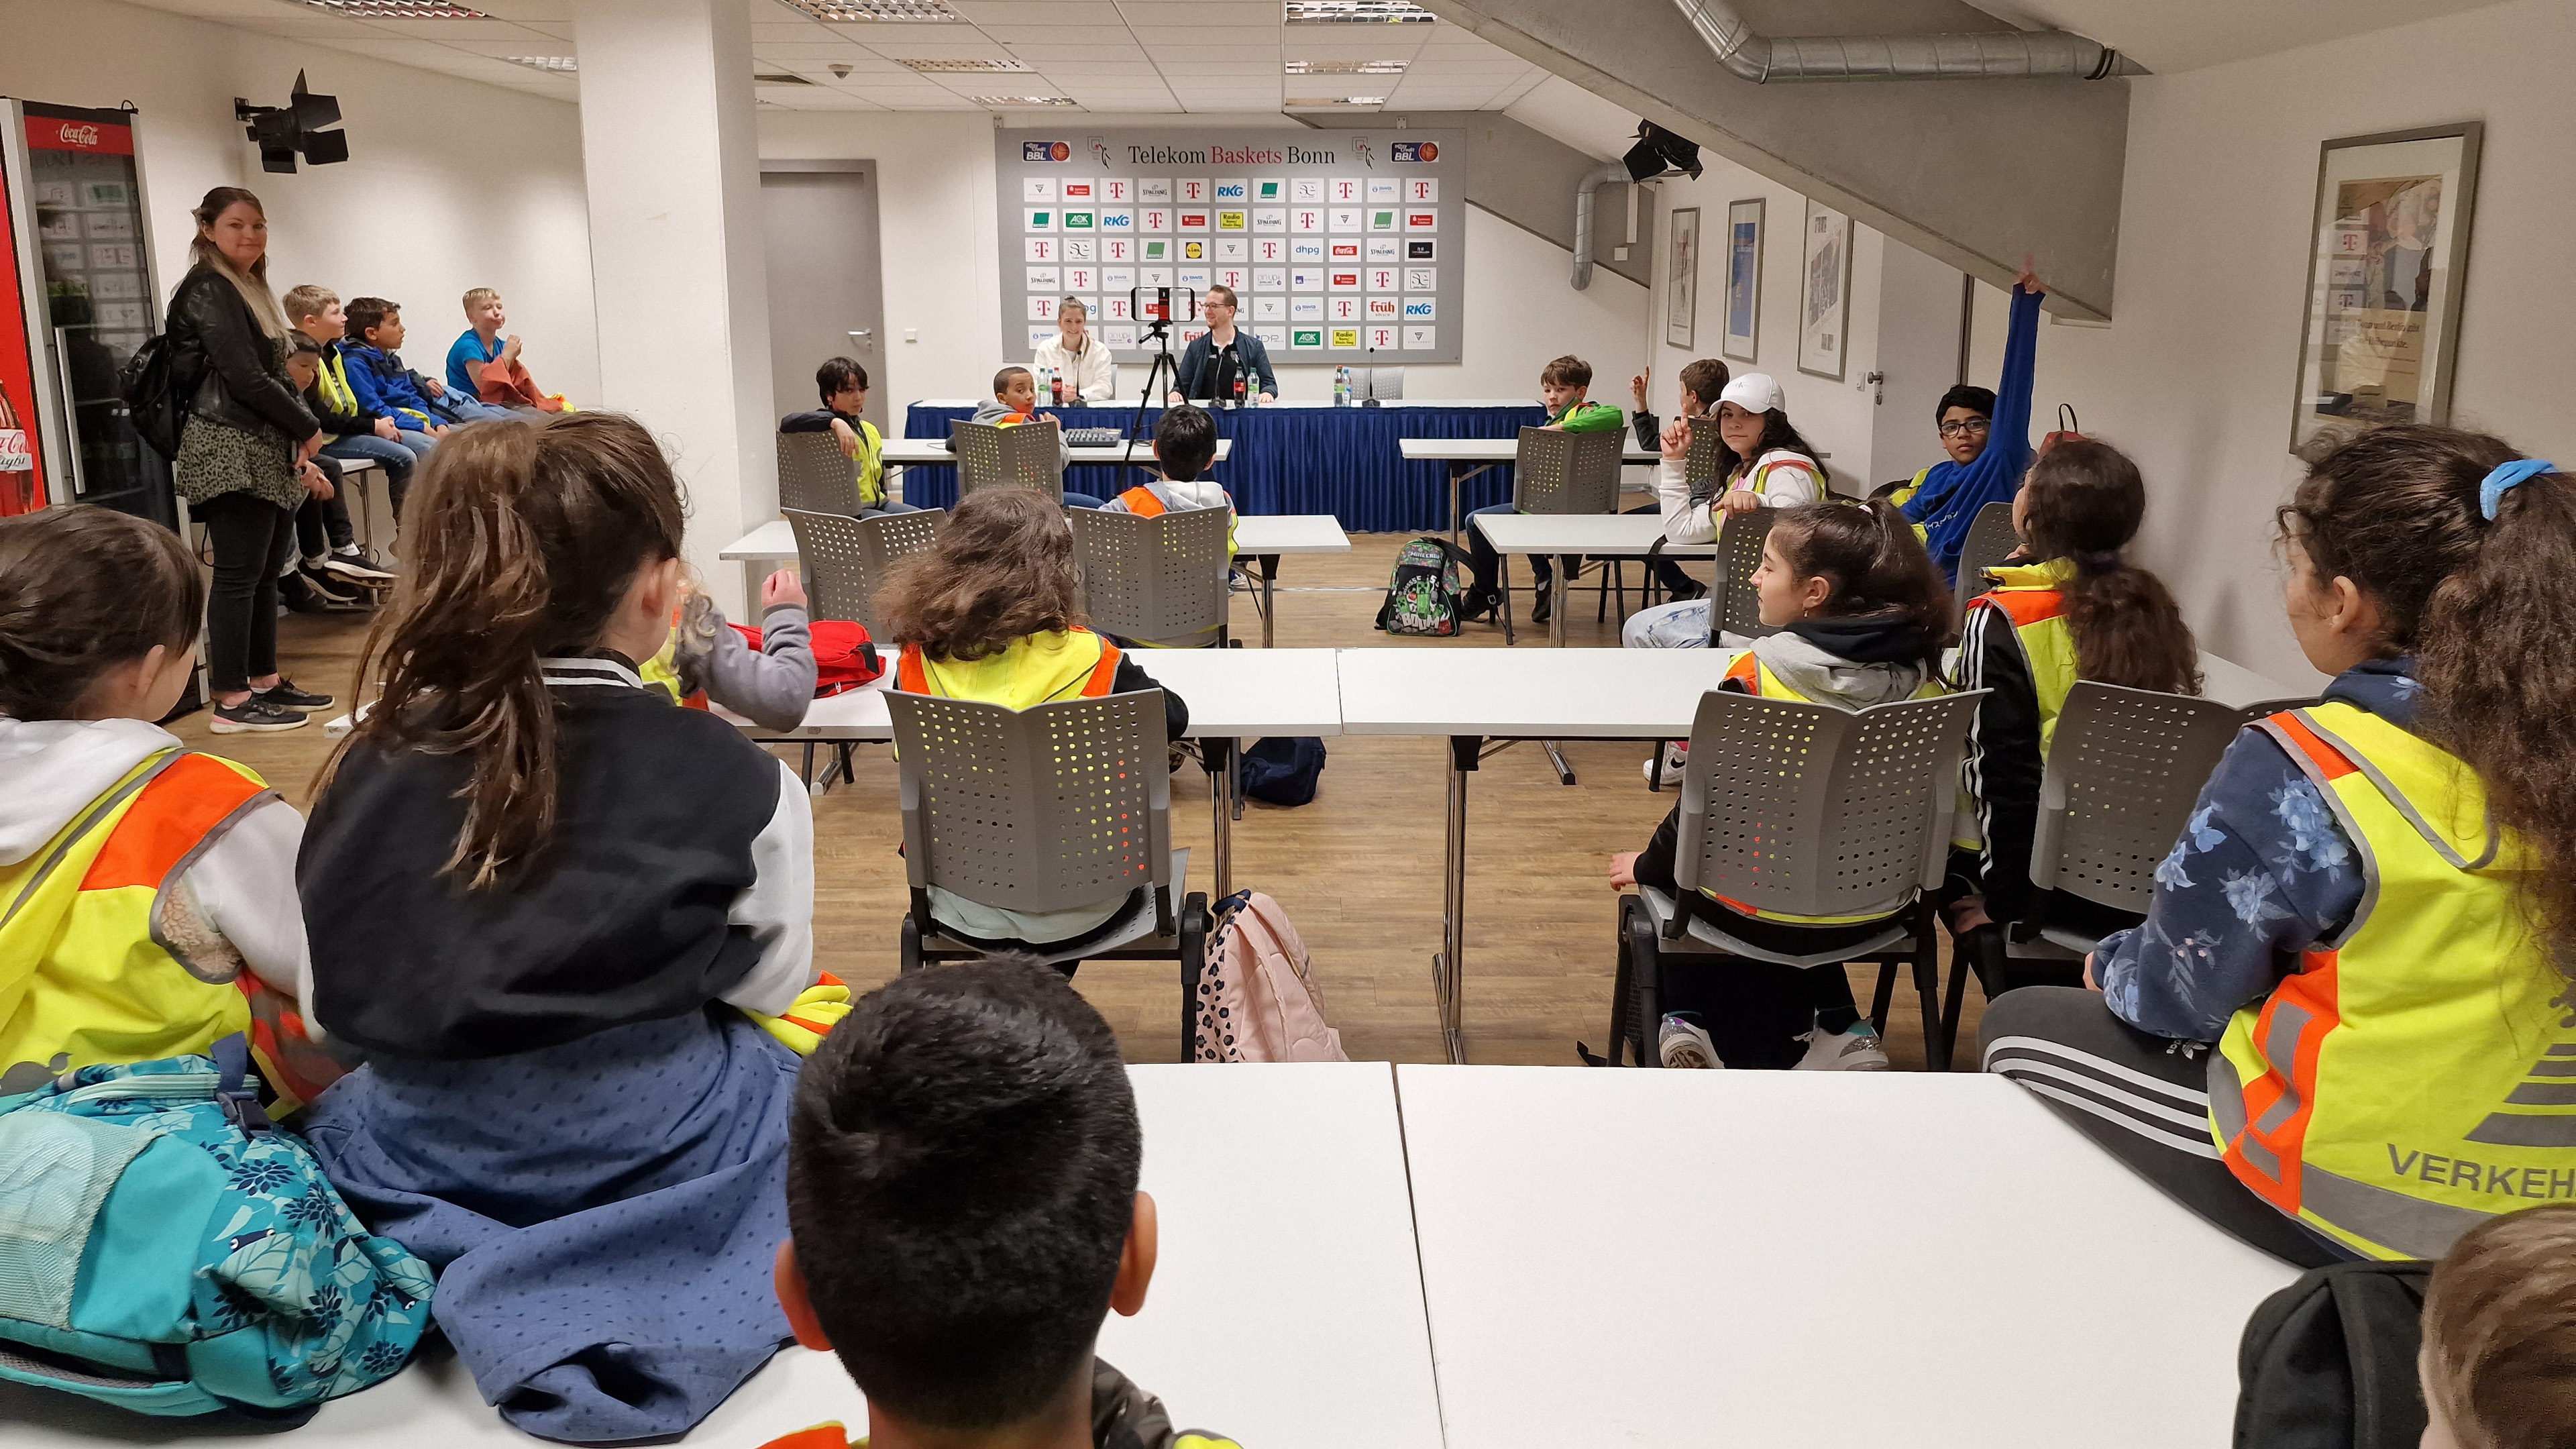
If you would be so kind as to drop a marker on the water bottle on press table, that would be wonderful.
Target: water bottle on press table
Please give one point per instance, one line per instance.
(1341, 387)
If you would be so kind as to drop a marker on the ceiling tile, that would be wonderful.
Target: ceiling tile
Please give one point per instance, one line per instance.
(1246, 13)
(1038, 12)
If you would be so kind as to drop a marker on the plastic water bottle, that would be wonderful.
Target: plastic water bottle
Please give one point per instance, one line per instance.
(1341, 387)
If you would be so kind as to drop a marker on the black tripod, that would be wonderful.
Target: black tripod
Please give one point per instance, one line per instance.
(1158, 331)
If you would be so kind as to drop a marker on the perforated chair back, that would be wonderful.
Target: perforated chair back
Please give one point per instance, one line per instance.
(1022, 456)
(1709, 460)
(1733, 607)
(814, 476)
(1990, 541)
(1809, 810)
(1561, 472)
(1049, 808)
(2123, 770)
(845, 558)
(1161, 579)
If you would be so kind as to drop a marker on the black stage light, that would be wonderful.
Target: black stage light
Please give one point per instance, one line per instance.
(283, 131)
(1659, 152)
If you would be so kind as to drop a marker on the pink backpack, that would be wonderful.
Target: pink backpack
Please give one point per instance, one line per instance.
(1257, 997)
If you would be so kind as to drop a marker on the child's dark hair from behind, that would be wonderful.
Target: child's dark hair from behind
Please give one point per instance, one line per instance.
(1704, 379)
(838, 375)
(83, 589)
(1185, 442)
(1878, 566)
(2499, 1359)
(2084, 502)
(961, 1178)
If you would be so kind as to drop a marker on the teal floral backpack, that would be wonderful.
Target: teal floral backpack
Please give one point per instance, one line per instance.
(165, 1249)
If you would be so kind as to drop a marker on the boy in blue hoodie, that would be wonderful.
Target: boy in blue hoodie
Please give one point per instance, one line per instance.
(385, 386)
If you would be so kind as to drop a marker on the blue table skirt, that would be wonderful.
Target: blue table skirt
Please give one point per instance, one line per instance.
(1341, 461)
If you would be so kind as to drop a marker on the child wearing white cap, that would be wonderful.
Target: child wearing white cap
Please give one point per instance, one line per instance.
(1774, 468)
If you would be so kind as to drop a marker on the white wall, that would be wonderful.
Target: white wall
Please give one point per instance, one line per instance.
(450, 184)
(943, 321)
(2195, 374)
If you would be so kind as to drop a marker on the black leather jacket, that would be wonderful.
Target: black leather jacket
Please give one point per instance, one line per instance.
(241, 383)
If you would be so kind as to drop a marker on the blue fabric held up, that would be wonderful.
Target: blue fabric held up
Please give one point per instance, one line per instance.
(603, 1214)
(1341, 461)
(1951, 494)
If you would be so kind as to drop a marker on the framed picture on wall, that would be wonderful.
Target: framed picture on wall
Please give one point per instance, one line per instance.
(1824, 298)
(1743, 280)
(1681, 279)
(2388, 251)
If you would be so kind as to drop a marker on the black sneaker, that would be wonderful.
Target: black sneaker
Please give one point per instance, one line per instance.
(254, 715)
(285, 694)
(1477, 607)
(1543, 604)
(357, 569)
(307, 591)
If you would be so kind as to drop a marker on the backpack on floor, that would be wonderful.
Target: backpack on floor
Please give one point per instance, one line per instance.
(163, 1248)
(1257, 997)
(1422, 598)
(2330, 1361)
(1282, 770)
(844, 656)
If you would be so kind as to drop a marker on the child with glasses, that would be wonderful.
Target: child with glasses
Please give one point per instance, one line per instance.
(1986, 434)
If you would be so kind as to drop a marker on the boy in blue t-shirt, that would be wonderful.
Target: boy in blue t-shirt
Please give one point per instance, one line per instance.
(385, 386)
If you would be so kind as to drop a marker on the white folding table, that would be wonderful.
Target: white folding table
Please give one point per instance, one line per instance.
(1266, 537)
(1468, 457)
(1233, 695)
(1476, 696)
(1570, 536)
(1772, 1259)
(1286, 1308)
(934, 452)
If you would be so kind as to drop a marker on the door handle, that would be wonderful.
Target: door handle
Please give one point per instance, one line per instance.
(864, 337)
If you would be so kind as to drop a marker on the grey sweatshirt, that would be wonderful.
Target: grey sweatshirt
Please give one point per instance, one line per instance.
(772, 687)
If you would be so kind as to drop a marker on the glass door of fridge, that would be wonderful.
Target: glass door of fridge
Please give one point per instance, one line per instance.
(85, 185)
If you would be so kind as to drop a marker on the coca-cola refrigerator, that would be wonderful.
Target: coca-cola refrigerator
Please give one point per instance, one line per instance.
(79, 297)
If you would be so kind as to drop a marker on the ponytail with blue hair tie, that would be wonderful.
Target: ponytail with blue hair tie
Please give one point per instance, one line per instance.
(2505, 479)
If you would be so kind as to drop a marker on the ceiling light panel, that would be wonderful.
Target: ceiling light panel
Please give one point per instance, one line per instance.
(1016, 102)
(398, 9)
(1354, 12)
(1345, 67)
(1313, 103)
(923, 11)
(552, 64)
(778, 78)
(975, 65)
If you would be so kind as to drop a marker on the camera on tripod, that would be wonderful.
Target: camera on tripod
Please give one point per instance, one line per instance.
(1153, 307)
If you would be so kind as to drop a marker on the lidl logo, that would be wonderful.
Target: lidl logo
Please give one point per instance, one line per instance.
(1045, 151)
(1413, 151)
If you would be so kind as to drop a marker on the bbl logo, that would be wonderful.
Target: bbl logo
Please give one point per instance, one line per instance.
(1416, 151)
(1045, 151)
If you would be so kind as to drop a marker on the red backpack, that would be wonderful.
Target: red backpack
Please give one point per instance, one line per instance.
(844, 657)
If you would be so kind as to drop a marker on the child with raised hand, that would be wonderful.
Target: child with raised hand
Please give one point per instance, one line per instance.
(1989, 445)
(962, 1188)
(2371, 906)
(989, 613)
(1775, 467)
(1863, 618)
(1562, 388)
(772, 686)
(542, 899)
(2075, 608)
(143, 879)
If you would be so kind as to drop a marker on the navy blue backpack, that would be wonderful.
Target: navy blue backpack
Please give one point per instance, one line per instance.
(1281, 771)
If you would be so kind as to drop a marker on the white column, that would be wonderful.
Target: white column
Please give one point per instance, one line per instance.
(673, 171)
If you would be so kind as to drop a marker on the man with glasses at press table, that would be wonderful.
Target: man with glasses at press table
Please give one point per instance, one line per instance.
(1986, 434)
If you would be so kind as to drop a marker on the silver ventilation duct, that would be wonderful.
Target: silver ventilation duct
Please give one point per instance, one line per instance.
(1591, 181)
(1969, 55)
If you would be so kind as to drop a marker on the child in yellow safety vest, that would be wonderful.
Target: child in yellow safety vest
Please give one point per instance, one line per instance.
(1184, 447)
(1774, 467)
(2067, 606)
(989, 614)
(1863, 618)
(147, 892)
(2370, 908)
(962, 1197)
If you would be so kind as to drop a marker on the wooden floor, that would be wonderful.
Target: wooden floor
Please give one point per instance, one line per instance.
(1358, 870)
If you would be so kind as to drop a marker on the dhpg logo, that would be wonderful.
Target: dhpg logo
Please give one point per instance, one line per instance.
(1045, 151)
(1417, 151)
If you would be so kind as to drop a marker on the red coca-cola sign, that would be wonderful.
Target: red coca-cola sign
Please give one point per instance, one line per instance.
(58, 133)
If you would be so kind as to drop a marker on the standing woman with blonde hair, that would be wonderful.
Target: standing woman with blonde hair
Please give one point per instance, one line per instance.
(245, 455)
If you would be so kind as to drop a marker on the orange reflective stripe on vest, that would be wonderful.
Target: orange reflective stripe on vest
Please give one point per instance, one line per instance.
(1143, 502)
(170, 819)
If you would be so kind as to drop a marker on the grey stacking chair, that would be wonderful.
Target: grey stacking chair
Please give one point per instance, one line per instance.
(1705, 467)
(1734, 611)
(1990, 541)
(846, 558)
(814, 476)
(1025, 456)
(1562, 472)
(1158, 580)
(1809, 810)
(1045, 809)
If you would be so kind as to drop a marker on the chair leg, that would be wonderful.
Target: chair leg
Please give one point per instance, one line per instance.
(847, 778)
(1621, 982)
(1955, 1001)
(1194, 924)
(911, 958)
(1646, 968)
(807, 773)
(1879, 1000)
